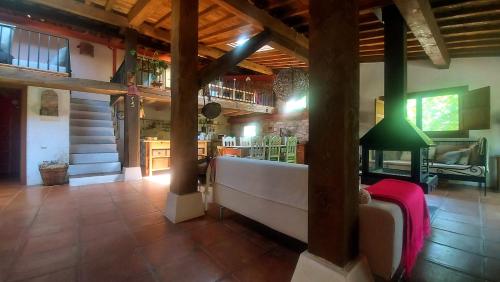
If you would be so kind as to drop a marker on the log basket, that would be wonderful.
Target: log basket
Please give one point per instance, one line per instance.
(54, 175)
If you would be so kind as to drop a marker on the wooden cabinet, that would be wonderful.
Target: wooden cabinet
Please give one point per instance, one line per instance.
(301, 154)
(156, 155)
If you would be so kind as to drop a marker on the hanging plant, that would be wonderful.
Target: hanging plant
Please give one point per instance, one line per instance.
(291, 83)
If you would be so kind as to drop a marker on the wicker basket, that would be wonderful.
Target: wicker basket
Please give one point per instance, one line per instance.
(54, 176)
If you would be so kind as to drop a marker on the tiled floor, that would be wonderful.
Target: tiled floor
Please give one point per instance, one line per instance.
(116, 232)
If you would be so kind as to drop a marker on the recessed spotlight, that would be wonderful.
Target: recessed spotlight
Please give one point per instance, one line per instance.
(42, 20)
(29, 16)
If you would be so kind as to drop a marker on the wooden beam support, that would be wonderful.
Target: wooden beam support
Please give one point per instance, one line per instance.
(420, 18)
(109, 5)
(333, 158)
(141, 10)
(250, 13)
(288, 47)
(231, 59)
(184, 74)
(131, 152)
(30, 77)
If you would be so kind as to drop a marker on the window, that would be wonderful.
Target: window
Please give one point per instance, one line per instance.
(294, 105)
(437, 110)
(249, 131)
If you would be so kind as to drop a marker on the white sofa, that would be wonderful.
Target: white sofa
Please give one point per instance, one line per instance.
(275, 194)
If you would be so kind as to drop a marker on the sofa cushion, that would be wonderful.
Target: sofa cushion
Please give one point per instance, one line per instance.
(443, 148)
(475, 156)
(464, 158)
(406, 156)
(450, 157)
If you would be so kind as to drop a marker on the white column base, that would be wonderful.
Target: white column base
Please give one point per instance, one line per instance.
(132, 173)
(184, 207)
(312, 268)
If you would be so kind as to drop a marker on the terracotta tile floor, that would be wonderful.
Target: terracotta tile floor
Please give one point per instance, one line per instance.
(116, 232)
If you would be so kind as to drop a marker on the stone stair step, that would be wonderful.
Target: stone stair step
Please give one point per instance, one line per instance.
(92, 148)
(89, 102)
(91, 131)
(94, 178)
(91, 123)
(92, 140)
(93, 158)
(90, 108)
(90, 115)
(78, 169)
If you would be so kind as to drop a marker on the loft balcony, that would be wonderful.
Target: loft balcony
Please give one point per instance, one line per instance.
(24, 48)
(237, 93)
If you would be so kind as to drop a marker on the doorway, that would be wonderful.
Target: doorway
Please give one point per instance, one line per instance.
(10, 134)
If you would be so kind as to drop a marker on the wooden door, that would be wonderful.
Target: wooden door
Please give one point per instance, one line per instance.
(9, 132)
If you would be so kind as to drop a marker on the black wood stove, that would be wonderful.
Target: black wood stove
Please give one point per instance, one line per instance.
(395, 136)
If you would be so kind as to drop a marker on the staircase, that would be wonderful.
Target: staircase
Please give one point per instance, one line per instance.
(93, 153)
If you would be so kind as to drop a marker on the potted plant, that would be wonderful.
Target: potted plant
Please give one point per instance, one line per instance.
(155, 66)
(53, 172)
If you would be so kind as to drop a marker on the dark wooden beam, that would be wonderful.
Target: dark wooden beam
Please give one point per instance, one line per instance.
(131, 145)
(333, 158)
(420, 18)
(250, 13)
(233, 58)
(30, 77)
(184, 74)
(289, 47)
(109, 5)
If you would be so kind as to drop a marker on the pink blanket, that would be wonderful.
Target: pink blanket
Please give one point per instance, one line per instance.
(410, 198)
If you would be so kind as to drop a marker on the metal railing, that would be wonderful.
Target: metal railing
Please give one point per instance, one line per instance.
(147, 76)
(32, 49)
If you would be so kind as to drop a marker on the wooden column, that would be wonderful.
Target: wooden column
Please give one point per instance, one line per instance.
(131, 156)
(184, 88)
(394, 62)
(333, 130)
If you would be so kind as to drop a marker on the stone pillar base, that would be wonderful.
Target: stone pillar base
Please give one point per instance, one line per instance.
(184, 207)
(312, 268)
(132, 173)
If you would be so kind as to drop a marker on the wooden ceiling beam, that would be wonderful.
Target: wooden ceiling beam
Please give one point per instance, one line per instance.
(207, 10)
(88, 2)
(420, 18)
(218, 22)
(232, 58)
(80, 9)
(163, 20)
(288, 47)
(461, 6)
(141, 10)
(109, 5)
(221, 32)
(250, 13)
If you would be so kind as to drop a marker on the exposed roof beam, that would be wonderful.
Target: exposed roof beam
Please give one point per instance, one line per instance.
(288, 47)
(232, 58)
(141, 10)
(250, 13)
(420, 18)
(109, 5)
(80, 9)
(163, 21)
(203, 49)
